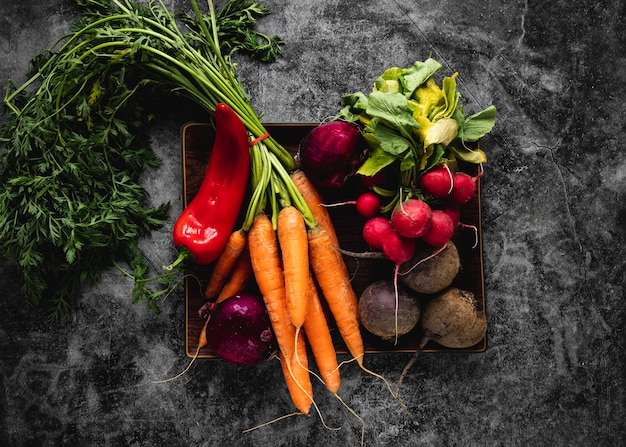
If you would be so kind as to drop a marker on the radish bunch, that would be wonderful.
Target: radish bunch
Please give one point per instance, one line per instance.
(431, 218)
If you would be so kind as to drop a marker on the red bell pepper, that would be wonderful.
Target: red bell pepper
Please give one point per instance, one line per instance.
(206, 223)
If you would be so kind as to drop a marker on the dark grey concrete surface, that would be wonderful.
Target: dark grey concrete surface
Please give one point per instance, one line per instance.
(554, 233)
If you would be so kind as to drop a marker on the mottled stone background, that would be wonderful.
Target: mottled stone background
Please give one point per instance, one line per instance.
(554, 232)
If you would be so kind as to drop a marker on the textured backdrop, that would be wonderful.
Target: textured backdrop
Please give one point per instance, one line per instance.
(554, 232)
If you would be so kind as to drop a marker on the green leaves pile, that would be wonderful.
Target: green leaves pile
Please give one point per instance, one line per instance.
(76, 138)
(410, 120)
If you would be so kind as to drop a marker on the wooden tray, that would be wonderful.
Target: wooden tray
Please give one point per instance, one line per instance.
(197, 140)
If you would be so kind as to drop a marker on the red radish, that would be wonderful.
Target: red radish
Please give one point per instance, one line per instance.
(331, 152)
(378, 179)
(441, 229)
(375, 230)
(463, 189)
(437, 182)
(397, 248)
(454, 213)
(411, 218)
(368, 204)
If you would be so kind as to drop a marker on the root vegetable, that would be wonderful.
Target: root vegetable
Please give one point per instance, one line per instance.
(411, 218)
(331, 152)
(397, 248)
(455, 214)
(440, 230)
(382, 315)
(375, 230)
(463, 189)
(239, 330)
(453, 320)
(368, 204)
(437, 182)
(430, 271)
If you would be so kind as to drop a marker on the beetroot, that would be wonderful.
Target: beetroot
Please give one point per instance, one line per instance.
(387, 311)
(331, 152)
(239, 330)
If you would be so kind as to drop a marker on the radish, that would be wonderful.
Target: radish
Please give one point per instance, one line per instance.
(397, 248)
(411, 218)
(463, 189)
(441, 229)
(367, 204)
(375, 230)
(454, 213)
(437, 182)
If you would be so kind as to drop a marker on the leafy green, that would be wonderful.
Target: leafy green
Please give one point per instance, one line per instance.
(410, 121)
(76, 139)
(478, 125)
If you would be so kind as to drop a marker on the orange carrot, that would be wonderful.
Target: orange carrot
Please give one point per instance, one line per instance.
(292, 239)
(313, 199)
(225, 263)
(332, 276)
(266, 265)
(300, 387)
(320, 341)
(239, 277)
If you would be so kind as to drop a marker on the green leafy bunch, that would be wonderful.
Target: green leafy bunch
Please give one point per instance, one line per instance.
(409, 120)
(76, 139)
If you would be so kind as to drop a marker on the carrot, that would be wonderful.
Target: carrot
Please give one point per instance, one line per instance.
(225, 263)
(332, 276)
(292, 239)
(266, 265)
(239, 277)
(297, 377)
(320, 341)
(314, 201)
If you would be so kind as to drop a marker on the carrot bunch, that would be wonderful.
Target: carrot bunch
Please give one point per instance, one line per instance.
(287, 242)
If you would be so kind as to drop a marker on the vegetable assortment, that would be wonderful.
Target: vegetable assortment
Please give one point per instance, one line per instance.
(258, 229)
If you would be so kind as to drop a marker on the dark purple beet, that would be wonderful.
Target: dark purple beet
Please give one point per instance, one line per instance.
(331, 152)
(239, 330)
